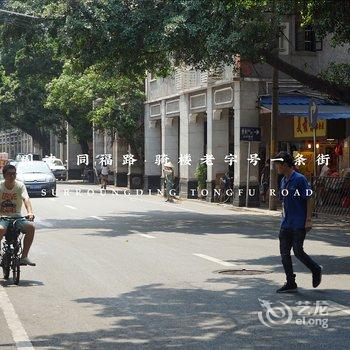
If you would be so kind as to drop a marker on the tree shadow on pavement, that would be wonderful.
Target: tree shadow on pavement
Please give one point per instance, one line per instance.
(154, 317)
(169, 222)
(332, 265)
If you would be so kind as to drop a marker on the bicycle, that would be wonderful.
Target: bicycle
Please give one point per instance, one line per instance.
(12, 250)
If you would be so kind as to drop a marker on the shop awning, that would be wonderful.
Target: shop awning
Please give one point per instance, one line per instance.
(298, 105)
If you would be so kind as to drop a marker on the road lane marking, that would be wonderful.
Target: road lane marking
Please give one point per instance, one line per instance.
(97, 218)
(218, 261)
(52, 199)
(43, 223)
(19, 335)
(341, 307)
(146, 235)
(70, 207)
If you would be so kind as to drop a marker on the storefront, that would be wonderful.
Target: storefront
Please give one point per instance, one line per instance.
(295, 135)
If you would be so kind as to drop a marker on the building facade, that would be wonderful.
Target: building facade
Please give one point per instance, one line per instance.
(201, 113)
(15, 141)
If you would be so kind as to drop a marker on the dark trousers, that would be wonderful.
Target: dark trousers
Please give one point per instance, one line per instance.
(294, 239)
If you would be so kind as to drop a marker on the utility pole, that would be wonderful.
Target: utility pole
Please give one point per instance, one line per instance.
(274, 116)
(273, 139)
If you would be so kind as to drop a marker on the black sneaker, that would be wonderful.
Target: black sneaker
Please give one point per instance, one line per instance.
(316, 278)
(289, 287)
(25, 262)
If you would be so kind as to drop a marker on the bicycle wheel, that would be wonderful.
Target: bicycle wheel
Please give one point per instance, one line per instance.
(16, 272)
(6, 265)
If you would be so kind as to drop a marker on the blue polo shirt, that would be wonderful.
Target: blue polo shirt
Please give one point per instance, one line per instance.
(294, 200)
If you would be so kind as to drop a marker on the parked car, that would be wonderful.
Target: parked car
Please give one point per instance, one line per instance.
(27, 157)
(57, 167)
(37, 177)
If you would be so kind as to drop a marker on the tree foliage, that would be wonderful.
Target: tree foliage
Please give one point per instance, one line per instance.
(73, 93)
(136, 35)
(52, 69)
(27, 63)
(69, 83)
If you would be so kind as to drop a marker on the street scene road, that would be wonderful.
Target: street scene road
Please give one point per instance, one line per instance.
(134, 272)
(186, 165)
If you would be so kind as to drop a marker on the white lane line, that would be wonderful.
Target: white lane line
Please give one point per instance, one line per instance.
(146, 235)
(97, 218)
(19, 335)
(70, 207)
(52, 199)
(43, 223)
(341, 307)
(218, 261)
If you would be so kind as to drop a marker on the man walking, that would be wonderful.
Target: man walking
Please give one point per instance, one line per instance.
(295, 194)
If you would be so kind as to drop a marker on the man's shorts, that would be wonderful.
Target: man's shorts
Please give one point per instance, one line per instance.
(20, 223)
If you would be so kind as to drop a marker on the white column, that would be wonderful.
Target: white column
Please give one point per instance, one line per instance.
(220, 140)
(98, 145)
(191, 142)
(152, 148)
(210, 149)
(245, 114)
(170, 145)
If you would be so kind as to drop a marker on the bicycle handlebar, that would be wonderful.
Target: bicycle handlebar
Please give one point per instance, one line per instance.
(15, 217)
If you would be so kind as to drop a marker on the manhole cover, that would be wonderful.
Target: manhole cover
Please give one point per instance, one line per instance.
(242, 272)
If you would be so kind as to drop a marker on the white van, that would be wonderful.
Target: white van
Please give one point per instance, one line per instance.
(57, 167)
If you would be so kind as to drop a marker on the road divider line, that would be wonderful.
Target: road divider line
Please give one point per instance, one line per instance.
(218, 261)
(97, 218)
(341, 307)
(70, 207)
(43, 223)
(19, 335)
(146, 235)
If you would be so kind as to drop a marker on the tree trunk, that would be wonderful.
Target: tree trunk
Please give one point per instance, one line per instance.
(42, 138)
(84, 146)
(337, 92)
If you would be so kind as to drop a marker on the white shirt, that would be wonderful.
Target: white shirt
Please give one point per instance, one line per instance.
(104, 170)
(11, 200)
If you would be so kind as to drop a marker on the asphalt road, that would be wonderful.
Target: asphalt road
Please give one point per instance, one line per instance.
(132, 272)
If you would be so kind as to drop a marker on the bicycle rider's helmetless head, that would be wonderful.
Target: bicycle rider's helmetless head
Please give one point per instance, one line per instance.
(9, 172)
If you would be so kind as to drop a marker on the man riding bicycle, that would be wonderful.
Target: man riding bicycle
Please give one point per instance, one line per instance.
(12, 194)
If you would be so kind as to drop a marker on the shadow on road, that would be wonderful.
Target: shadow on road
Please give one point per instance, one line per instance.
(22, 283)
(332, 265)
(153, 317)
(169, 222)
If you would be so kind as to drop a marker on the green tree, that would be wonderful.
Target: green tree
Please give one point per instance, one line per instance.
(72, 95)
(67, 94)
(138, 35)
(28, 61)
